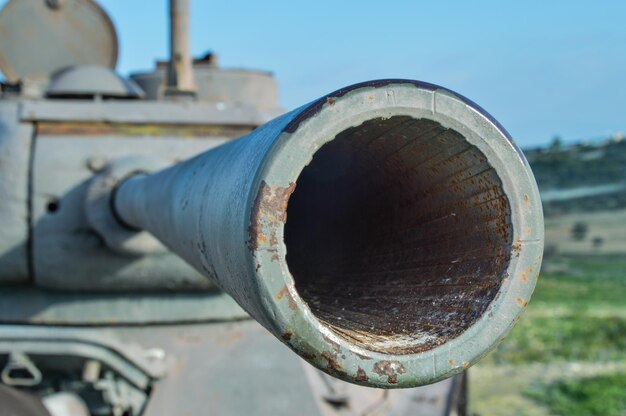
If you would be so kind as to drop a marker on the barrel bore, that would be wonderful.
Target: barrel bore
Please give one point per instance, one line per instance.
(398, 234)
(390, 233)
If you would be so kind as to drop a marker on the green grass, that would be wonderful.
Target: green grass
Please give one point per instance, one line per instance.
(595, 396)
(578, 316)
(611, 267)
(577, 334)
(590, 281)
(571, 337)
(579, 291)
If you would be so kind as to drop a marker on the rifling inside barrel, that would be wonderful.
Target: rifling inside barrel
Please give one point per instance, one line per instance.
(398, 234)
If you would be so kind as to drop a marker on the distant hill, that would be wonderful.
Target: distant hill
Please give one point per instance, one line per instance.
(580, 177)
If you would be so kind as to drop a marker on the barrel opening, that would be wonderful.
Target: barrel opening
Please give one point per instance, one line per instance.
(398, 234)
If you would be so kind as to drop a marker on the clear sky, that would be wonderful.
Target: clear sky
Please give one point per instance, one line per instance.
(541, 67)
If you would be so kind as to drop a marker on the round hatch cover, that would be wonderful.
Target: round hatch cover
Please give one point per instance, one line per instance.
(38, 37)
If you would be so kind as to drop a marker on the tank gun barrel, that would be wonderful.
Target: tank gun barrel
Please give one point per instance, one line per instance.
(390, 233)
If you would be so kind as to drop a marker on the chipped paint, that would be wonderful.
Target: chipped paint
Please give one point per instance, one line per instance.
(416, 251)
(269, 213)
(284, 293)
(361, 376)
(391, 369)
(333, 366)
(332, 343)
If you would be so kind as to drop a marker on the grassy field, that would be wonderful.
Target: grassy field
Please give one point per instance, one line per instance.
(567, 355)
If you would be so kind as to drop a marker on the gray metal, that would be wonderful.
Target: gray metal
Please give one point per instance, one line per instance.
(102, 219)
(224, 86)
(163, 113)
(15, 150)
(62, 228)
(20, 371)
(390, 233)
(225, 212)
(22, 403)
(240, 369)
(220, 363)
(76, 32)
(179, 71)
(133, 363)
(35, 306)
(121, 381)
(65, 404)
(92, 81)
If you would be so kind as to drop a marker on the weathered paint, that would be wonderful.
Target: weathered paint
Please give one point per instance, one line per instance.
(95, 129)
(16, 141)
(49, 37)
(236, 197)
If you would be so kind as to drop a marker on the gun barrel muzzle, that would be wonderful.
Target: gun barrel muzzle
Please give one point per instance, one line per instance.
(390, 233)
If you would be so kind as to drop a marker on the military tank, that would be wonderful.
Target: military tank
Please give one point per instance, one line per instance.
(168, 238)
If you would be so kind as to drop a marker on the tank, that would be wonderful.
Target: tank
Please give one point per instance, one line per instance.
(177, 243)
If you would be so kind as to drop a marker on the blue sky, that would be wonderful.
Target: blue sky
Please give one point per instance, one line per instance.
(542, 68)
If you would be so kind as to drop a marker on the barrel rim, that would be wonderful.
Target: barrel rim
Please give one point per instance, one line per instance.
(277, 178)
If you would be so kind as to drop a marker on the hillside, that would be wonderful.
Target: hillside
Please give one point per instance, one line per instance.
(580, 177)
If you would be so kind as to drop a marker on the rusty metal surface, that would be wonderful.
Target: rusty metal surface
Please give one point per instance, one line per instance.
(412, 267)
(78, 32)
(409, 235)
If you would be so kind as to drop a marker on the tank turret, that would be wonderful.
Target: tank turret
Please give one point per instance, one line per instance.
(389, 234)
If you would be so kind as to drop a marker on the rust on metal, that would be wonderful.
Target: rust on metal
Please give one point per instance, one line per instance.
(287, 335)
(269, 213)
(317, 105)
(284, 293)
(391, 369)
(332, 343)
(399, 235)
(307, 356)
(333, 366)
(95, 129)
(361, 375)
